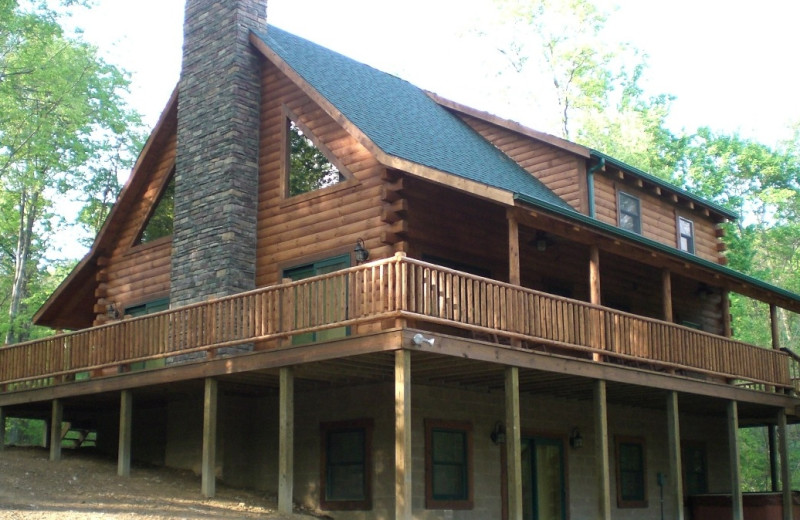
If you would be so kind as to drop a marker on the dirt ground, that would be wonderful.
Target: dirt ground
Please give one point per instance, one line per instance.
(86, 487)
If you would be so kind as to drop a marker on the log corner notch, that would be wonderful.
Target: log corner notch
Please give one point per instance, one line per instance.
(395, 211)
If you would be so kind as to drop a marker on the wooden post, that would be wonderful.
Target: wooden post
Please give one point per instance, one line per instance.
(125, 431)
(666, 294)
(594, 293)
(786, 478)
(208, 470)
(514, 277)
(773, 320)
(2, 429)
(513, 444)
(402, 435)
(286, 442)
(675, 463)
(727, 329)
(56, 418)
(733, 453)
(772, 440)
(602, 464)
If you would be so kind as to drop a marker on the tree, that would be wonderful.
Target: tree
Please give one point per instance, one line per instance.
(60, 108)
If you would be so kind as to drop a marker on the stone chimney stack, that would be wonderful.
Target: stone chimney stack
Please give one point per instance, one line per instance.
(216, 169)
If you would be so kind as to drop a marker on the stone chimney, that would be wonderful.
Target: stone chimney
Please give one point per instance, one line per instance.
(216, 170)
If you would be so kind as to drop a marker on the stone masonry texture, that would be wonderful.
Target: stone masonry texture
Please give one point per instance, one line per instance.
(216, 173)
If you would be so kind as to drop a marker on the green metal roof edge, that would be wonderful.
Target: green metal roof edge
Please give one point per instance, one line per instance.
(665, 184)
(727, 271)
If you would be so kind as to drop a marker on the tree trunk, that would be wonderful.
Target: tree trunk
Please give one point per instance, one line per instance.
(28, 208)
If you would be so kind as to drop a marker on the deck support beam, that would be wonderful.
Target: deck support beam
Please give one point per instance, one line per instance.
(786, 478)
(725, 304)
(208, 469)
(514, 277)
(286, 441)
(513, 444)
(2, 429)
(774, 469)
(125, 431)
(675, 463)
(666, 294)
(56, 418)
(733, 453)
(402, 435)
(594, 287)
(602, 464)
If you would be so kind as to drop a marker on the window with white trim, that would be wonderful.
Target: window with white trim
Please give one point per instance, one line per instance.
(630, 213)
(685, 235)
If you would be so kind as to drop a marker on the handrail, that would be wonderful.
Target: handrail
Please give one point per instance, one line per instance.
(392, 288)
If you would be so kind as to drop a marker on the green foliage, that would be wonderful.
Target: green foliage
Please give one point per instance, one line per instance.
(163, 217)
(25, 432)
(309, 168)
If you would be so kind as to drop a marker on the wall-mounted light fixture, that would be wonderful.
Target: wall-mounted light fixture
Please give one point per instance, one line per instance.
(419, 339)
(498, 435)
(111, 311)
(542, 241)
(575, 438)
(362, 255)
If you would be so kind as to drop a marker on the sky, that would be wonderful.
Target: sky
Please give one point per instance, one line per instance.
(731, 64)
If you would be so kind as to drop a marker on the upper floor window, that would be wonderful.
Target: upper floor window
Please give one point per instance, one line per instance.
(159, 223)
(685, 235)
(309, 168)
(630, 213)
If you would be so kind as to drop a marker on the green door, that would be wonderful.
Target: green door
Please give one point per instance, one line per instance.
(330, 295)
(143, 310)
(543, 479)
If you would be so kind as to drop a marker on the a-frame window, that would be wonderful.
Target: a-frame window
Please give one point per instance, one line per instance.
(159, 223)
(309, 167)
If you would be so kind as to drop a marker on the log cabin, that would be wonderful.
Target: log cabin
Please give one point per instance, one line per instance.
(454, 317)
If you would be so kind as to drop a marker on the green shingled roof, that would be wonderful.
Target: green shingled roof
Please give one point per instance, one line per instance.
(402, 120)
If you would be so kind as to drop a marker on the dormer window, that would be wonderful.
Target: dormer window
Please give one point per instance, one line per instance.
(630, 213)
(685, 235)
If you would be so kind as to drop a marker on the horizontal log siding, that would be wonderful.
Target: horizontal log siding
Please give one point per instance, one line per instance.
(394, 287)
(562, 172)
(141, 273)
(319, 224)
(659, 216)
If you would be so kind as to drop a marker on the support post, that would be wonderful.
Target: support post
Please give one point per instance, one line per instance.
(402, 435)
(286, 441)
(774, 470)
(56, 418)
(727, 328)
(733, 452)
(125, 431)
(602, 464)
(773, 321)
(675, 463)
(666, 294)
(2, 429)
(594, 287)
(513, 444)
(514, 277)
(208, 482)
(786, 478)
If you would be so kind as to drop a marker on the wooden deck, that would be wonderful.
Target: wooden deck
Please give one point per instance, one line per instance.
(398, 288)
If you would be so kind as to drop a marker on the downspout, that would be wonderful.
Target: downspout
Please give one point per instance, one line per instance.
(590, 183)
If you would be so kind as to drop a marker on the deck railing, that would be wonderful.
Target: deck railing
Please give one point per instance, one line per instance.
(397, 287)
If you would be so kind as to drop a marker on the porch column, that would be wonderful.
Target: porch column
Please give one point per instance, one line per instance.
(286, 441)
(727, 329)
(513, 445)
(56, 418)
(514, 277)
(786, 478)
(772, 440)
(602, 464)
(773, 321)
(675, 463)
(208, 482)
(733, 453)
(125, 430)
(402, 435)
(2, 429)
(594, 288)
(666, 294)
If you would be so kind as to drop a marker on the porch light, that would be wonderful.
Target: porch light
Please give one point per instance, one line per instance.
(541, 241)
(362, 255)
(498, 435)
(575, 438)
(111, 311)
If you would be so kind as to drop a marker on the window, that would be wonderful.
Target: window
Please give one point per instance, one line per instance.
(448, 465)
(346, 479)
(685, 235)
(309, 168)
(325, 302)
(159, 305)
(631, 482)
(695, 468)
(630, 215)
(159, 223)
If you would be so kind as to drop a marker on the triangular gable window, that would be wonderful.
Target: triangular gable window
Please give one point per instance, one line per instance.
(309, 168)
(159, 224)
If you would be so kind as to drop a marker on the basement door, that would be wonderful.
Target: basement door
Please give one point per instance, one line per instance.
(543, 480)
